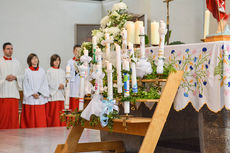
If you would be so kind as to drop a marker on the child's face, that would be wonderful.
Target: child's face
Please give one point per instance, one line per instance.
(34, 61)
(75, 52)
(56, 62)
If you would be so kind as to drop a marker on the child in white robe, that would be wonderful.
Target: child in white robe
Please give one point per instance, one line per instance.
(36, 93)
(74, 80)
(56, 80)
(11, 77)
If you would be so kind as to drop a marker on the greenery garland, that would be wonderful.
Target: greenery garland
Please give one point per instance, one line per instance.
(94, 120)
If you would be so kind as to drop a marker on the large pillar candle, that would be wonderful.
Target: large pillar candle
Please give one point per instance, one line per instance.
(138, 25)
(155, 38)
(130, 31)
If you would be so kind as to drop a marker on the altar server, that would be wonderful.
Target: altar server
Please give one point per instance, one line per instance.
(56, 80)
(11, 77)
(36, 93)
(74, 80)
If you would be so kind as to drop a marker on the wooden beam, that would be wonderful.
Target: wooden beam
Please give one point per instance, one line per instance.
(161, 113)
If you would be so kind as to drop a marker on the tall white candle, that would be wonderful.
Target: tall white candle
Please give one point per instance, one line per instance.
(118, 62)
(67, 88)
(110, 81)
(126, 87)
(138, 25)
(107, 45)
(97, 82)
(142, 42)
(124, 40)
(206, 23)
(155, 38)
(83, 70)
(133, 67)
(130, 31)
(162, 32)
(99, 63)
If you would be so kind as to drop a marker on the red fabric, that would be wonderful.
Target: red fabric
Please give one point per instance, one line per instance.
(33, 68)
(76, 59)
(73, 103)
(7, 58)
(33, 116)
(9, 113)
(213, 7)
(53, 110)
(55, 67)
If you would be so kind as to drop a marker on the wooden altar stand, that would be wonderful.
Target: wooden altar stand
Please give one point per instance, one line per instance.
(150, 128)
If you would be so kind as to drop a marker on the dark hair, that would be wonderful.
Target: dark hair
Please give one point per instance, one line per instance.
(30, 57)
(54, 58)
(75, 46)
(5, 44)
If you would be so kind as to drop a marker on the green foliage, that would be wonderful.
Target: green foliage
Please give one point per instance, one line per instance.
(151, 93)
(146, 40)
(94, 120)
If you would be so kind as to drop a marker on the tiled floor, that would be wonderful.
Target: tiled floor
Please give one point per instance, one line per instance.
(45, 140)
(40, 140)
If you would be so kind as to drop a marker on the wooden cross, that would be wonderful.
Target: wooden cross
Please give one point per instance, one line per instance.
(167, 2)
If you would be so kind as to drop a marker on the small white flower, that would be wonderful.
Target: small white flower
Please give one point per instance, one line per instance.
(104, 21)
(119, 6)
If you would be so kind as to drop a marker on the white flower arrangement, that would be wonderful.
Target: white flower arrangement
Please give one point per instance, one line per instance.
(119, 6)
(104, 21)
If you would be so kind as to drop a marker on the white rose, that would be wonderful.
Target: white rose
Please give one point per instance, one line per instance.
(119, 6)
(104, 21)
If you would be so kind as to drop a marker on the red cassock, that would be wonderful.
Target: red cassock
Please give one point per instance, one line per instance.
(53, 109)
(217, 8)
(74, 103)
(33, 116)
(9, 113)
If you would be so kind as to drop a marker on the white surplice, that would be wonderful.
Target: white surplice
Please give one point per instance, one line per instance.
(74, 80)
(55, 78)
(10, 89)
(35, 82)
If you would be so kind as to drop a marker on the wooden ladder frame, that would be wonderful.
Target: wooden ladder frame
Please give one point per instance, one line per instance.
(151, 128)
